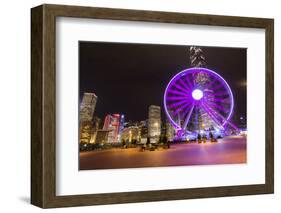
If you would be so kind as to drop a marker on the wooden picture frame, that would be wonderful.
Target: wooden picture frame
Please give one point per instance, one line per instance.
(43, 105)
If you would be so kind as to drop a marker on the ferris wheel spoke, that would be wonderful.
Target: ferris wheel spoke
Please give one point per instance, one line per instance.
(186, 110)
(178, 103)
(221, 93)
(177, 92)
(221, 116)
(219, 86)
(178, 121)
(231, 124)
(211, 83)
(184, 85)
(180, 88)
(188, 117)
(218, 115)
(176, 98)
(212, 116)
(219, 107)
(220, 100)
(189, 82)
(183, 107)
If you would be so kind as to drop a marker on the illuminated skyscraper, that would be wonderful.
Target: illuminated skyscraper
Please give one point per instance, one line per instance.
(115, 124)
(170, 131)
(131, 134)
(197, 59)
(95, 127)
(88, 106)
(102, 136)
(87, 109)
(154, 121)
(85, 132)
(143, 125)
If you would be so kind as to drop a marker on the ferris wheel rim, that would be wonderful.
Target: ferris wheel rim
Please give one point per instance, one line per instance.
(198, 69)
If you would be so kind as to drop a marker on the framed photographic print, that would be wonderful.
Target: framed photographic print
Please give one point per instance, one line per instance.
(137, 106)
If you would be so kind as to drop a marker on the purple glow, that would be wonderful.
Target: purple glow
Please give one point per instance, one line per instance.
(178, 86)
(177, 92)
(217, 106)
(212, 116)
(213, 97)
(183, 107)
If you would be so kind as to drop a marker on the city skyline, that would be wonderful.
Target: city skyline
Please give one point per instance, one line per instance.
(144, 69)
(113, 128)
(147, 105)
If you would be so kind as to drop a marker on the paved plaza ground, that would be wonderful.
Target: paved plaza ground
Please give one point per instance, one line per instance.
(229, 150)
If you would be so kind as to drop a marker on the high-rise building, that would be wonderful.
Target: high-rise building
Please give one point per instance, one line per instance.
(197, 59)
(170, 131)
(95, 127)
(102, 136)
(115, 124)
(87, 109)
(85, 132)
(143, 125)
(131, 134)
(154, 121)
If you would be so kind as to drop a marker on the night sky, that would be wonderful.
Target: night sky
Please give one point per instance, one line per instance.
(127, 78)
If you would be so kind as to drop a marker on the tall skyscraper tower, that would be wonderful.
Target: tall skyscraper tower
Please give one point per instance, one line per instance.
(87, 109)
(197, 59)
(95, 127)
(154, 121)
(170, 131)
(88, 106)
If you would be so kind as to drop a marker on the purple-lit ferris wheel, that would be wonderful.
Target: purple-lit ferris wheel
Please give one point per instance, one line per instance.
(198, 99)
